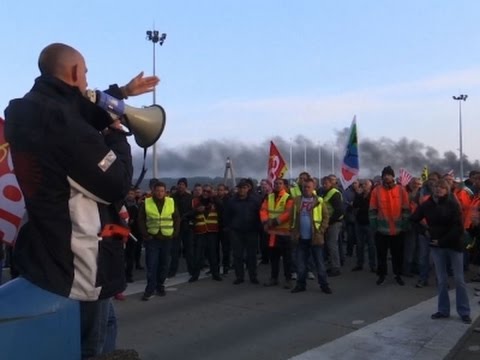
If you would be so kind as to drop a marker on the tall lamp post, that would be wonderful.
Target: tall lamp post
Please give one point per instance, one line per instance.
(156, 38)
(460, 98)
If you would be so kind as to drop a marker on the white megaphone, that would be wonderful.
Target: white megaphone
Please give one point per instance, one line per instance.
(145, 124)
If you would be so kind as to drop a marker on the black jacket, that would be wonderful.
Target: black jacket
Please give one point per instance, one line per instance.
(242, 215)
(74, 180)
(444, 221)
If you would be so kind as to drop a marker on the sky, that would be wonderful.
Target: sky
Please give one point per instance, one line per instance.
(241, 73)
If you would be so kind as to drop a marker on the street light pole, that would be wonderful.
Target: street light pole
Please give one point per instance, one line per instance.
(460, 98)
(156, 38)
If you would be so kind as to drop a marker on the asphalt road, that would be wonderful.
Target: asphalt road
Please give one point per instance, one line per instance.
(212, 320)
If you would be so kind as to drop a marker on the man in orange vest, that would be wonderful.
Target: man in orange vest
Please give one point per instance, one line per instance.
(275, 216)
(388, 213)
(206, 228)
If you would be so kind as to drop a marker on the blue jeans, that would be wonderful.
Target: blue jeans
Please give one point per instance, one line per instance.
(157, 259)
(331, 241)
(365, 236)
(409, 251)
(95, 328)
(440, 257)
(1, 271)
(424, 256)
(111, 339)
(304, 249)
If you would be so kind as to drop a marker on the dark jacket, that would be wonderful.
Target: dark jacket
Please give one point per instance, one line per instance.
(444, 221)
(74, 180)
(241, 215)
(183, 202)
(361, 205)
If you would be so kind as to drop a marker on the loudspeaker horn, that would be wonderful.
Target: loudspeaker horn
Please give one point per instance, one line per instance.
(146, 124)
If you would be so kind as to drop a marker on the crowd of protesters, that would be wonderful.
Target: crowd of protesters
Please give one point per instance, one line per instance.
(309, 227)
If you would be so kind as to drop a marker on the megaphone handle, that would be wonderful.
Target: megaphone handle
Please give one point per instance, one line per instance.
(144, 169)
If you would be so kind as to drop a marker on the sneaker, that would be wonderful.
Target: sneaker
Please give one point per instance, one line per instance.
(439, 315)
(466, 319)
(333, 272)
(147, 296)
(399, 281)
(161, 291)
(326, 289)
(120, 297)
(297, 289)
(381, 280)
(254, 281)
(421, 283)
(238, 281)
(193, 279)
(310, 276)
(357, 268)
(271, 282)
(294, 276)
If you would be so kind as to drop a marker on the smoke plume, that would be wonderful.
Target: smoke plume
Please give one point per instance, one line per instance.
(250, 160)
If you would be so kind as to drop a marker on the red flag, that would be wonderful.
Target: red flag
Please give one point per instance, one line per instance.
(276, 165)
(12, 206)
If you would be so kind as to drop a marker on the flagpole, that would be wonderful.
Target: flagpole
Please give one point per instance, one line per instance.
(305, 156)
(290, 167)
(319, 161)
(333, 160)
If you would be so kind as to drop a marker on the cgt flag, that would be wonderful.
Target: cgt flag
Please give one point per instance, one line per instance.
(424, 175)
(350, 164)
(276, 165)
(12, 206)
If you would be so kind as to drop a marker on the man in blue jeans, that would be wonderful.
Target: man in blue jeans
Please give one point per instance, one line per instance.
(159, 224)
(310, 221)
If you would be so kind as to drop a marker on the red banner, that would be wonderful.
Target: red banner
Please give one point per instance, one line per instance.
(12, 206)
(276, 165)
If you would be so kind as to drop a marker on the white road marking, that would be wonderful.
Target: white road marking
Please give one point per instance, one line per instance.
(408, 334)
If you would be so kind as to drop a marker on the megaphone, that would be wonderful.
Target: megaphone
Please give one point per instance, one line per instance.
(145, 124)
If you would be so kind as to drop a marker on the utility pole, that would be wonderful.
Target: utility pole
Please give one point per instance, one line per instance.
(156, 38)
(460, 98)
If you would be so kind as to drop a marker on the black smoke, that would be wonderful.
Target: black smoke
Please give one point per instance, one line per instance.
(250, 160)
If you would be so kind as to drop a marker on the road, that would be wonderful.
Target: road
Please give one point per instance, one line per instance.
(212, 320)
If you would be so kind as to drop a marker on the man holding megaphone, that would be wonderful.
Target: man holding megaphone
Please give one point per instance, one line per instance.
(74, 176)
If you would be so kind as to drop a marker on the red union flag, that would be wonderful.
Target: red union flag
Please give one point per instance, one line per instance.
(12, 206)
(276, 165)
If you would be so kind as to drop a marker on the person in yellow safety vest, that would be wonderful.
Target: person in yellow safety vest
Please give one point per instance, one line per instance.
(334, 201)
(309, 224)
(206, 226)
(159, 224)
(275, 216)
(297, 186)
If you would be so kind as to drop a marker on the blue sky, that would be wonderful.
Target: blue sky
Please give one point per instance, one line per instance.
(251, 70)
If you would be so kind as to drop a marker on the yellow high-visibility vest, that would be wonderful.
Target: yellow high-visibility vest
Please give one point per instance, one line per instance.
(160, 222)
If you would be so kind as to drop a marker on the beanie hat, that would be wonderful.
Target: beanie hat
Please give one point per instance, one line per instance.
(388, 171)
(183, 180)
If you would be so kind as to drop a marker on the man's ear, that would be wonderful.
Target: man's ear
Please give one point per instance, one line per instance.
(74, 73)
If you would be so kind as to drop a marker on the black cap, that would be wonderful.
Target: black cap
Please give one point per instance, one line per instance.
(183, 180)
(387, 170)
(243, 183)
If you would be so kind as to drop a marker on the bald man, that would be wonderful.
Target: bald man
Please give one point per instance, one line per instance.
(74, 168)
